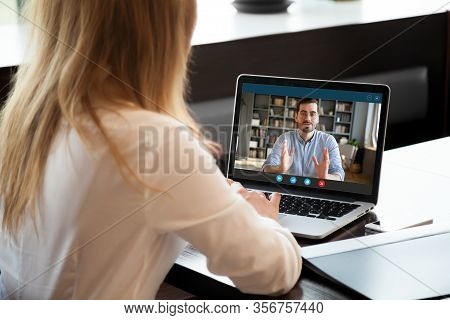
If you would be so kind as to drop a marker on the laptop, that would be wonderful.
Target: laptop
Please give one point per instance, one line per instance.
(281, 128)
(417, 260)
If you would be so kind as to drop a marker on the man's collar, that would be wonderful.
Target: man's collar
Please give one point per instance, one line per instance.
(302, 140)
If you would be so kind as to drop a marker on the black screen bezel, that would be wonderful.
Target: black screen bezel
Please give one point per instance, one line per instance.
(313, 84)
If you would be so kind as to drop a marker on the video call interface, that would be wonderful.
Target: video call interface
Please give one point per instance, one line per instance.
(313, 138)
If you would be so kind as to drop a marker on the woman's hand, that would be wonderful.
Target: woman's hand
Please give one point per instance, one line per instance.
(266, 208)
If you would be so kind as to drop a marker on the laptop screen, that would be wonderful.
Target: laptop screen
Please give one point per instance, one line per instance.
(308, 134)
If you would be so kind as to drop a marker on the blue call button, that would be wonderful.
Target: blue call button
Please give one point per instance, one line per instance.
(279, 178)
(307, 181)
(293, 180)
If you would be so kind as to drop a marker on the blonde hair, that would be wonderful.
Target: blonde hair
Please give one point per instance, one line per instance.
(143, 45)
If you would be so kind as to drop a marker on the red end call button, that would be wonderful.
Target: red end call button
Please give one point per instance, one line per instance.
(321, 183)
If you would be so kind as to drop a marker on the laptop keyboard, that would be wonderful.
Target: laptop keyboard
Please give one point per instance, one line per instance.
(315, 208)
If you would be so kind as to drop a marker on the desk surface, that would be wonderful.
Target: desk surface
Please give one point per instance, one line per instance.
(414, 181)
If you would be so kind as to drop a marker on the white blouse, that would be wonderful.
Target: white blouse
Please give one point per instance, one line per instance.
(98, 236)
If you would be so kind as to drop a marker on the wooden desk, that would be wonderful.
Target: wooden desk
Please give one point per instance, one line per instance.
(414, 180)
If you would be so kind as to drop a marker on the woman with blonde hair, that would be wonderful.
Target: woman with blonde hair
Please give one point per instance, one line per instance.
(104, 175)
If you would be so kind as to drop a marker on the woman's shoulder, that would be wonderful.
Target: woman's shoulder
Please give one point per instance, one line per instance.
(128, 128)
(134, 128)
(124, 119)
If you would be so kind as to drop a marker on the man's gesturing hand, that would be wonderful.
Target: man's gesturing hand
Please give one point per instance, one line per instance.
(286, 157)
(322, 167)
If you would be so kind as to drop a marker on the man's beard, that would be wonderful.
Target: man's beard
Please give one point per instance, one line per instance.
(305, 128)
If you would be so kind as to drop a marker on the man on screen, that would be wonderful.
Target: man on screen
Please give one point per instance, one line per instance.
(306, 151)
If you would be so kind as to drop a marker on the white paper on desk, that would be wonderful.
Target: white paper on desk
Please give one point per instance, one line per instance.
(192, 259)
(370, 241)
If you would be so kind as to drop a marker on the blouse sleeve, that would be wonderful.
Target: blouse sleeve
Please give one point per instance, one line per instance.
(194, 201)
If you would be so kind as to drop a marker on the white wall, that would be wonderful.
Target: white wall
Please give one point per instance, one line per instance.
(8, 12)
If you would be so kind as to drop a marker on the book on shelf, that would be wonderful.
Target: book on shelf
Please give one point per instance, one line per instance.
(272, 139)
(342, 129)
(321, 111)
(262, 143)
(292, 102)
(344, 106)
(278, 101)
(343, 118)
(276, 123)
(259, 132)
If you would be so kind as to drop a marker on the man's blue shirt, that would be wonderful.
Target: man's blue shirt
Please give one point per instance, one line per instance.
(303, 164)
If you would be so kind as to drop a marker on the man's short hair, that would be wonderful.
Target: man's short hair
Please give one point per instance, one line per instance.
(307, 101)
